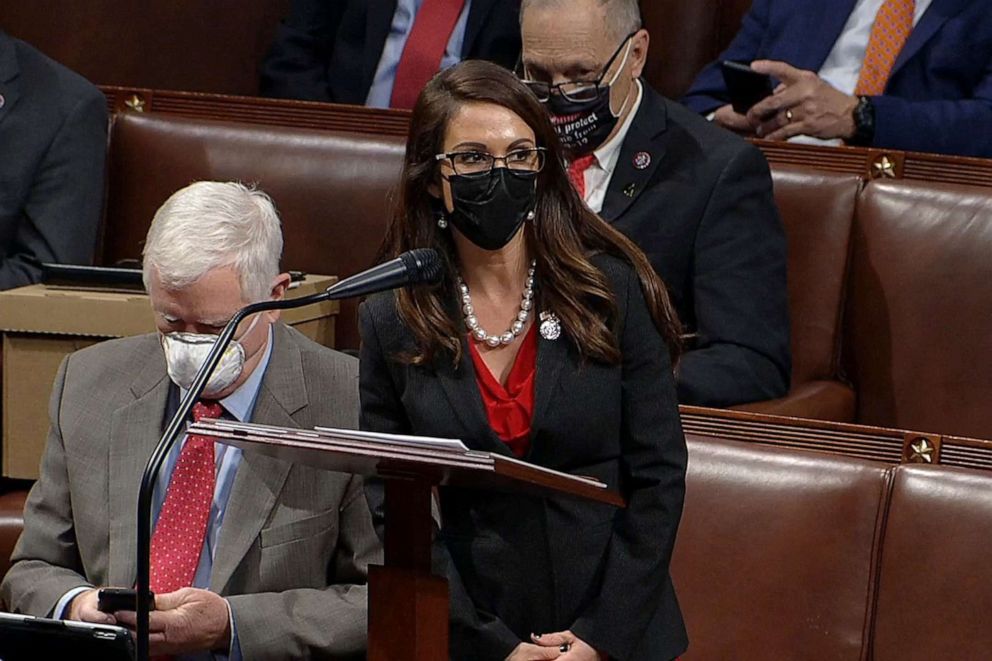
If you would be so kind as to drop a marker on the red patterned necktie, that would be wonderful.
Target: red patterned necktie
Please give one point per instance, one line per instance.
(424, 49)
(892, 27)
(182, 524)
(577, 172)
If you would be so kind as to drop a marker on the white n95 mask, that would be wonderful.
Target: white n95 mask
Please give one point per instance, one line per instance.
(185, 353)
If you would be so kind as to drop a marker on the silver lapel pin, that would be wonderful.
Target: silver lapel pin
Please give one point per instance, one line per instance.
(550, 326)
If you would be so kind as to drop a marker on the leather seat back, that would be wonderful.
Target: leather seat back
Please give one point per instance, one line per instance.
(685, 37)
(935, 578)
(918, 327)
(775, 557)
(11, 524)
(817, 210)
(334, 191)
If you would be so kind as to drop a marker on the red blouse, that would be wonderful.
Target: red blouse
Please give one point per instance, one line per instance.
(510, 407)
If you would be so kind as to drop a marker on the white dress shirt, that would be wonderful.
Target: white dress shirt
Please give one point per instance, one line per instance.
(597, 177)
(842, 68)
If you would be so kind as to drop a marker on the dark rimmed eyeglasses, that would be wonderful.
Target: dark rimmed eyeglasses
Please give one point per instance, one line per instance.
(474, 163)
(573, 90)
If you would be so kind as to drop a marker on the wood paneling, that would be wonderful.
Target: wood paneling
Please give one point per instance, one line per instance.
(203, 45)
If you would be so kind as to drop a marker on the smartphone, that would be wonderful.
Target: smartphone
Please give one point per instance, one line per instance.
(111, 600)
(745, 85)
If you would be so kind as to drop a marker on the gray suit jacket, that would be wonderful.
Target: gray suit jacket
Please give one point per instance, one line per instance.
(53, 141)
(296, 541)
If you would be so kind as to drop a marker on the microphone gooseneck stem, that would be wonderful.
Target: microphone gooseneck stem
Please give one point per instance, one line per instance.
(175, 429)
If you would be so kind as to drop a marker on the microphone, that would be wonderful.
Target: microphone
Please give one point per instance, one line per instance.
(422, 266)
(414, 267)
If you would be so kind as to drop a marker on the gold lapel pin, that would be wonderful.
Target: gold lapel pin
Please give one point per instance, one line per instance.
(630, 190)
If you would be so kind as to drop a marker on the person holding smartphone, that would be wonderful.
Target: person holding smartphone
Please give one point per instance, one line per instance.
(896, 74)
(251, 556)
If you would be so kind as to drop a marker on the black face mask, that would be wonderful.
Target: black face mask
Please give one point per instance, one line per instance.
(582, 126)
(490, 209)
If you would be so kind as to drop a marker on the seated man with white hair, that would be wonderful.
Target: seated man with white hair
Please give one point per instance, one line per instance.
(252, 557)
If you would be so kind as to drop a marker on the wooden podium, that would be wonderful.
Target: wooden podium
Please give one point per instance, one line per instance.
(408, 605)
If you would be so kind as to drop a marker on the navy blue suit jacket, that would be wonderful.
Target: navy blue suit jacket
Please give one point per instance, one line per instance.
(704, 214)
(328, 50)
(939, 97)
(53, 142)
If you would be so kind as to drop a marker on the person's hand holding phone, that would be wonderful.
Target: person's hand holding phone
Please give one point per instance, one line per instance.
(187, 620)
(85, 608)
(731, 120)
(803, 104)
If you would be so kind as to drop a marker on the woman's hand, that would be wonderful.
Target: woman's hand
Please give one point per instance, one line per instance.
(528, 652)
(568, 645)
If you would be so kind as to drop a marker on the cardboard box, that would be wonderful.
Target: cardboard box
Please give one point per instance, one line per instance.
(42, 325)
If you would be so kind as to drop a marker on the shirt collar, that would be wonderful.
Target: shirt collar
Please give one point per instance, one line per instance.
(609, 152)
(241, 402)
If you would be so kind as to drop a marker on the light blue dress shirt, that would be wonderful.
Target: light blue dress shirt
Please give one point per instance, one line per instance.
(385, 74)
(240, 405)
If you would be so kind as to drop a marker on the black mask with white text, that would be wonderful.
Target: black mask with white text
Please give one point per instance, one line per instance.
(582, 126)
(490, 209)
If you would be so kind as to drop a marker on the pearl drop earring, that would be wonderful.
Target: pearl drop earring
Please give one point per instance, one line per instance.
(442, 223)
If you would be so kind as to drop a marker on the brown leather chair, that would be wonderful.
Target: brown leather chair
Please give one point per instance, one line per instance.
(11, 524)
(685, 37)
(775, 557)
(935, 579)
(918, 326)
(334, 191)
(817, 211)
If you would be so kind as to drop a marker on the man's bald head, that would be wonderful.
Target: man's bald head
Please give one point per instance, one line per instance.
(621, 17)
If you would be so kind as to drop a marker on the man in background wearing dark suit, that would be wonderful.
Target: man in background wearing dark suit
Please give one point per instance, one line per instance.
(696, 199)
(382, 52)
(895, 74)
(53, 141)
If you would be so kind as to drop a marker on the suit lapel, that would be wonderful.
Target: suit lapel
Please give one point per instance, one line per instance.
(378, 21)
(822, 24)
(462, 391)
(932, 20)
(644, 141)
(260, 479)
(551, 357)
(10, 81)
(135, 429)
(477, 15)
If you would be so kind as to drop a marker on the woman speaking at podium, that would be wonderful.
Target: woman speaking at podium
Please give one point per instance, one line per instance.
(550, 339)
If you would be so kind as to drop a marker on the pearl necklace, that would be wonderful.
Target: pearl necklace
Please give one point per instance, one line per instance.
(516, 328)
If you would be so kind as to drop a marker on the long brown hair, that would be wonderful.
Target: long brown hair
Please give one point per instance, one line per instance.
(562, 237)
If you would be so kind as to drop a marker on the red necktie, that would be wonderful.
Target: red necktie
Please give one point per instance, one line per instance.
(892, 27)
(182, 524)
(577, 172)
(424, 49)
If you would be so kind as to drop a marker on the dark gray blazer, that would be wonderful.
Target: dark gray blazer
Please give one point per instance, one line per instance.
(53, 141)
(516, 564)
(703, 212)
(296, 541)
